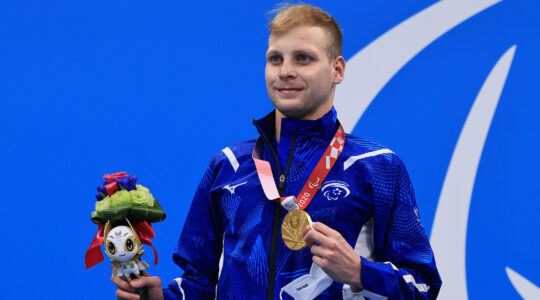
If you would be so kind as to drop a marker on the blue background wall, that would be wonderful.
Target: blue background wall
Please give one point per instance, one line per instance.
(155, 89)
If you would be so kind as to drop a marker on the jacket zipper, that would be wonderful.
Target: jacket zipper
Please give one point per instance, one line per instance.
(282, 178)
(277, 223)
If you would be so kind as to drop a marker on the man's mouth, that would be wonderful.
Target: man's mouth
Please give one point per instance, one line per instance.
(289, 90)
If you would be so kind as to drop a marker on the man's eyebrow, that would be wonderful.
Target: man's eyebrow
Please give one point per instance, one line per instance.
(294, 52)
(306, 51)
(273, 52)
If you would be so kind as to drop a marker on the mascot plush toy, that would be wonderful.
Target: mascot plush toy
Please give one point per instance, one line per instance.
(124, 211)
(123, 245)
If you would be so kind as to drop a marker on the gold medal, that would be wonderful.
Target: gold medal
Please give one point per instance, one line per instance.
(291, 229)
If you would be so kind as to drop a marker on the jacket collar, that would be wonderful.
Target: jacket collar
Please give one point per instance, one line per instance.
(322, 128)
(310, 138)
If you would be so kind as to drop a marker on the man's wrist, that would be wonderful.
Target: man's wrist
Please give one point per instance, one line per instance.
(357, 286)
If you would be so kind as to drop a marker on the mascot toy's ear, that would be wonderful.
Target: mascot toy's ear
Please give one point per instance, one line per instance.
(138, 241)
(107, 229)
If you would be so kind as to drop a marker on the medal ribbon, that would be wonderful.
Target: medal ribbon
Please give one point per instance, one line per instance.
(316, 178)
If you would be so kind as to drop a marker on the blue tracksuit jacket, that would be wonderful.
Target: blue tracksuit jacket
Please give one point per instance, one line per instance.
(231, 241)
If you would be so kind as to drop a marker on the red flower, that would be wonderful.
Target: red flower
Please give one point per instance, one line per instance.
(110, 177)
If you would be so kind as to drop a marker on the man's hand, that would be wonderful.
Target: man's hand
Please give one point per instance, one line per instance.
(334, 255)
(126, 290)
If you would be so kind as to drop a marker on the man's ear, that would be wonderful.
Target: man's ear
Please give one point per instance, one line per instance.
(338, 72)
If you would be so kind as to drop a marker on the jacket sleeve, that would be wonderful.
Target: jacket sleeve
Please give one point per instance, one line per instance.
(404, 266)
(199, 247)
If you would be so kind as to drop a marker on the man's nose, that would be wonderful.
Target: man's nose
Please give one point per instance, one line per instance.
(287, 70)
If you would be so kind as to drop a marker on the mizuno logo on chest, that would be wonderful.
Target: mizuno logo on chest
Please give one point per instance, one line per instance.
(231, 188)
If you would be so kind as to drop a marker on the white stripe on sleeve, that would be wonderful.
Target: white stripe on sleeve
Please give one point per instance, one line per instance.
(351, 160)
(232, 159)
(179, 282)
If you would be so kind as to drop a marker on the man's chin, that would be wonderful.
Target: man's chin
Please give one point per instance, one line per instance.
(293, 108)
(292, 113)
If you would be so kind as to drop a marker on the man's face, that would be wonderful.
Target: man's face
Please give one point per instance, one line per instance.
(300, 78)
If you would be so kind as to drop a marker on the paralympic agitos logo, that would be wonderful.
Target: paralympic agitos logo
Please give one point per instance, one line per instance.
(374, 66)
(335, 190)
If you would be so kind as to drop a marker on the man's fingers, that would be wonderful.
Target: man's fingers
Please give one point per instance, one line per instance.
(123, 295)
(313, 236)
(307, 229)
(320, 261)
(122, 284)
(145, 281)
(320, 251)
(322, 228)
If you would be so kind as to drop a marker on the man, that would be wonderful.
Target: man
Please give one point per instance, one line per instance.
(366, 239)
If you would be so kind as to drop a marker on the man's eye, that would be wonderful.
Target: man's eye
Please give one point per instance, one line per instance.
(303, 58)
(275, 59)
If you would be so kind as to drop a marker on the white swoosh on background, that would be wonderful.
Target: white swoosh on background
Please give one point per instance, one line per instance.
(525, 288)
(449, 232)
(370, 69)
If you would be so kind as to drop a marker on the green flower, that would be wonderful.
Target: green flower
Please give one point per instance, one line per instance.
(120, 198)
(142, 188)
(103, 204)
(142, 196)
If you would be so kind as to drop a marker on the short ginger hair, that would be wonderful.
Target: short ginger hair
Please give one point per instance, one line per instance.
(288, 16)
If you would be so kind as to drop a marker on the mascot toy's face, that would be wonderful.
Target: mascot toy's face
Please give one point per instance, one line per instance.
(121, 244)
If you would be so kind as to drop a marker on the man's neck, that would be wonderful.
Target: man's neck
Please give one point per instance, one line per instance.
(279, 116)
